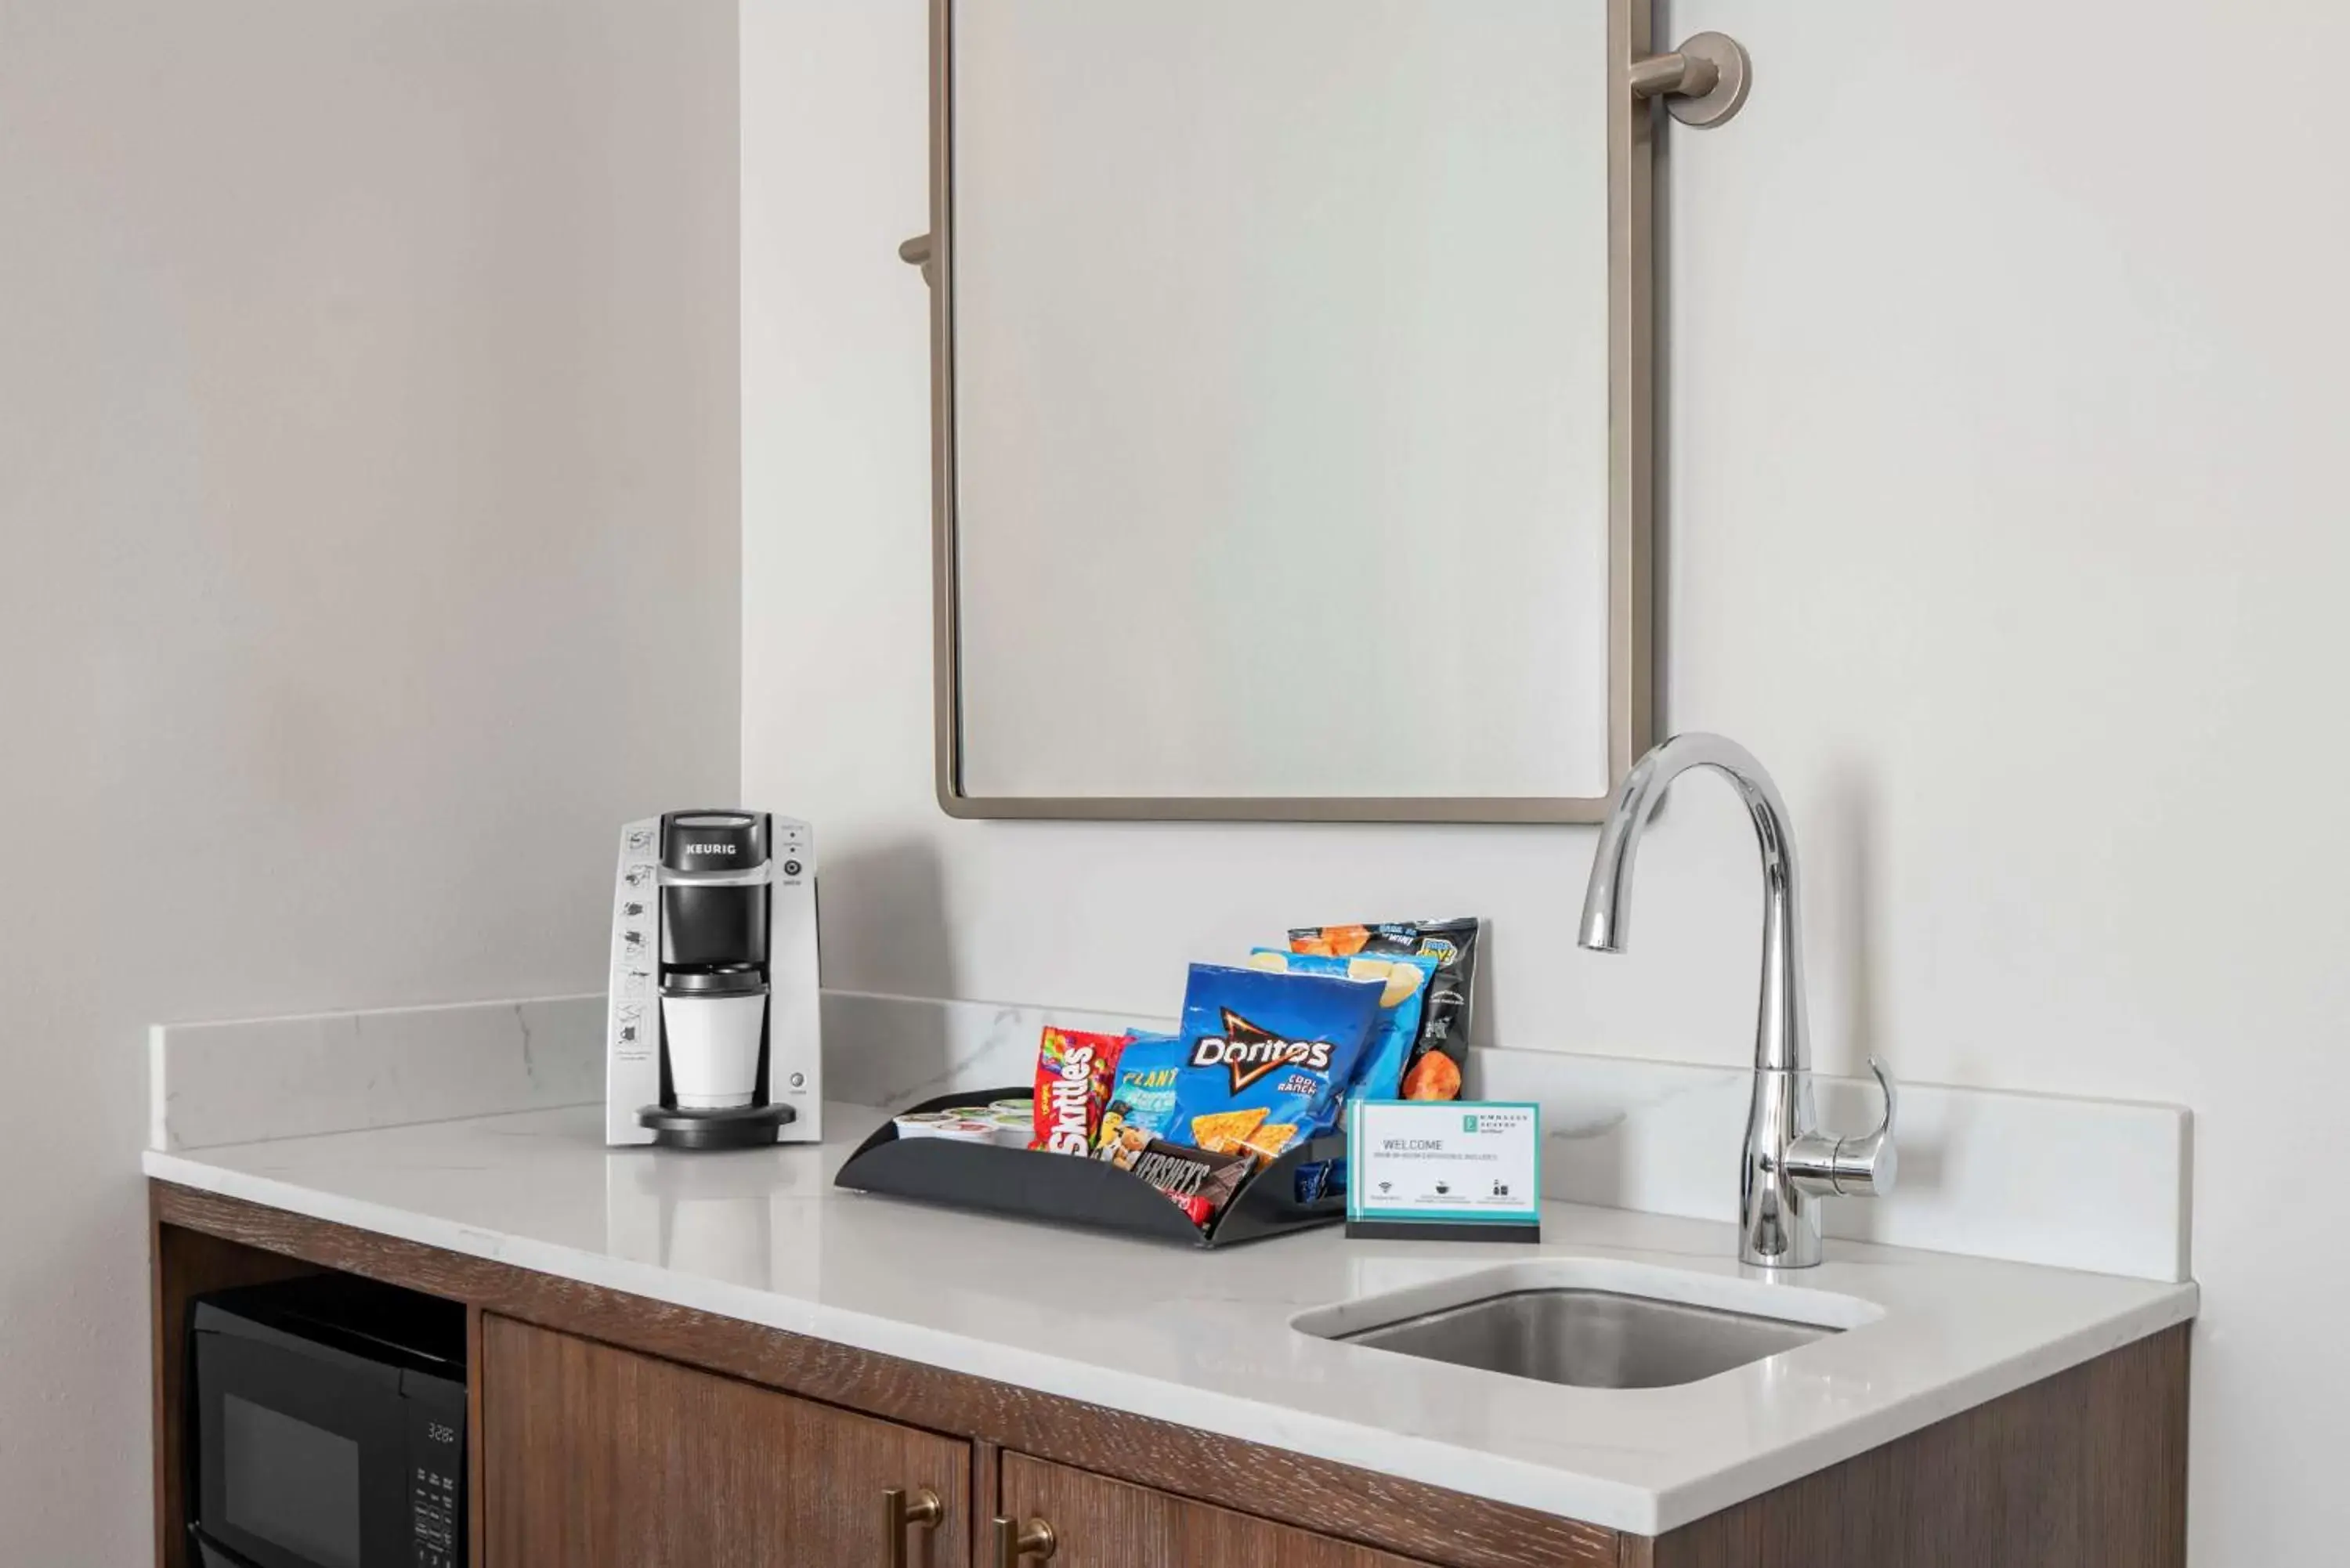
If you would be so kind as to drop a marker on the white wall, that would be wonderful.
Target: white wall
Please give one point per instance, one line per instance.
(367, 452)
(2005, 523)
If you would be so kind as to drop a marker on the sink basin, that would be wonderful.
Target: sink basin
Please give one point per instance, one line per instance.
(1591, 1323)
(1590, 1339)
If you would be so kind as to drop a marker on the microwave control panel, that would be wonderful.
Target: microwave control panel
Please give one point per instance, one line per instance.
(438, 1518)
(436, 1494)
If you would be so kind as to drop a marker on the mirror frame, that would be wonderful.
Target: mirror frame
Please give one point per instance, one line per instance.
(1632, 131)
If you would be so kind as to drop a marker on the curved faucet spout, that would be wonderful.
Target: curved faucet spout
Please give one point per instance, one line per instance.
(1788, 1166)
(1783, 1030)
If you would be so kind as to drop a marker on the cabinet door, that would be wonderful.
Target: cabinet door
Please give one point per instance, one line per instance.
(1103, 1523)
(597, 1458)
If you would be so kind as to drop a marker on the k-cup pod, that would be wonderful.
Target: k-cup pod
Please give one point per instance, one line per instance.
(921, 1124)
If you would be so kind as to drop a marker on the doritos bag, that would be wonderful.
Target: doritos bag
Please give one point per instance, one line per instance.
(1267, 1056)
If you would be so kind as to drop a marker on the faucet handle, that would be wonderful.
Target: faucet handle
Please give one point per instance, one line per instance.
(1862, 1167)
(1870, 1165)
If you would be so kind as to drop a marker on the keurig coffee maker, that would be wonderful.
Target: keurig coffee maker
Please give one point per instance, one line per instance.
(713, 1026)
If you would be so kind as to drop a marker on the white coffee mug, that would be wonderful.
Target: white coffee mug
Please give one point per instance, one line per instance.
(714, 1048)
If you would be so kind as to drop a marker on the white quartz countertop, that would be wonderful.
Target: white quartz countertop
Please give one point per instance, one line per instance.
(1204, 1338)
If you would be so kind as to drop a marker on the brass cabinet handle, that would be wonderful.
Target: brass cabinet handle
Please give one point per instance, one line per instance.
(902, 1510)
(1015, 1541)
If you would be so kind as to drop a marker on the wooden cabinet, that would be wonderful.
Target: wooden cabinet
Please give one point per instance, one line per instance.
(717, 1443)
(598, 1458)
(1102, 1523)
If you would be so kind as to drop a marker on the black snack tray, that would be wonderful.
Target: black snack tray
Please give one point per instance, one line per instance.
(1064, 1190)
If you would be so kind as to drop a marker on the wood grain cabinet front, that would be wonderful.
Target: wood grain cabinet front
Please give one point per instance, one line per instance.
(599, 1458)
(1092, 1522)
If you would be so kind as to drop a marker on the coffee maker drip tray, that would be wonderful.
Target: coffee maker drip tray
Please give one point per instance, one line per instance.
(743, 1126)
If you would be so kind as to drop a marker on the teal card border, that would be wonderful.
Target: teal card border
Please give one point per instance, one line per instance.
(1530, 1213)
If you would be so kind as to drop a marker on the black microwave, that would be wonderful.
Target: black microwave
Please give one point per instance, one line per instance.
(325, 1427)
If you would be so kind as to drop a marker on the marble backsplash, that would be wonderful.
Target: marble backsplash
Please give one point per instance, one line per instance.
(2078, 1183)
(253, 1079)
(2099, 1185)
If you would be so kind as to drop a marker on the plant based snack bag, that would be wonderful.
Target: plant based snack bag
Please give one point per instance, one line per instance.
(1434, 1071)
(1267, 1056)
(1141, 1100)
(1073, 1078)
(1406, 980)
(1199, 1180)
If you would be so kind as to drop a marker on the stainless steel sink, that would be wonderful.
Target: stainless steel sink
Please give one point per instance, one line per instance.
(1589, 1338)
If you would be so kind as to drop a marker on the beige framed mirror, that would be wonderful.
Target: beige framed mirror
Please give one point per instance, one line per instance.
(1292, 404)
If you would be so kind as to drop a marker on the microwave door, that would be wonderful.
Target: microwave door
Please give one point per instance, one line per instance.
(210, 1553)
(299, 1461)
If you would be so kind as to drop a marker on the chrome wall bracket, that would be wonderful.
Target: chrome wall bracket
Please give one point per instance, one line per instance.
(1703, 83)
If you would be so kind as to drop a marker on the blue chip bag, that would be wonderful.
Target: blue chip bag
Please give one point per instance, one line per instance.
(1404, 978)
(1268, 1056)
(1141, 1097)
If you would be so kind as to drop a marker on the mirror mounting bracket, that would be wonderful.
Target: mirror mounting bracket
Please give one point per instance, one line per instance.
(916, 252)
(1703, 83)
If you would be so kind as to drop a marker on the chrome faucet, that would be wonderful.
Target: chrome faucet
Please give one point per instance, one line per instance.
(1789, 1163)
